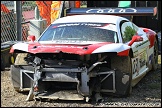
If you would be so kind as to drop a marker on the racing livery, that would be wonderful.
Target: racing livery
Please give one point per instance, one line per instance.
(80, 56)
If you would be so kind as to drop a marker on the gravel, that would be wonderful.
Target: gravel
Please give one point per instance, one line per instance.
(147, 93)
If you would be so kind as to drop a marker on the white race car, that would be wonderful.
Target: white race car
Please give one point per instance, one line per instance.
(80, 56)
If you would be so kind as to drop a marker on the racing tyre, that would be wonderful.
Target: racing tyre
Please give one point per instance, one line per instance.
(12, 59)
(128, 89)
(123, 76)
(20, 63)
(155, 56)
(2, 64)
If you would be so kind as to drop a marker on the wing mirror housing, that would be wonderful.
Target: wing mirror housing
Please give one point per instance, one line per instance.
(31, 38)
(135, 38)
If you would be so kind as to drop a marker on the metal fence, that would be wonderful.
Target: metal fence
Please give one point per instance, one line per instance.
(28, 10)
(9, 19)
(8, 27)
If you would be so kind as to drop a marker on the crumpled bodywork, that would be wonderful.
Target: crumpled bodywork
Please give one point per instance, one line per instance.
(71, 48)
(83, 69)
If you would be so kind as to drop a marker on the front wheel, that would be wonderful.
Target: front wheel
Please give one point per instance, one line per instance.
(2, 64)
(19, 80)
(123, 76)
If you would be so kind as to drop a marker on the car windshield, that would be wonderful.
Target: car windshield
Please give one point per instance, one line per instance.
(81, 32)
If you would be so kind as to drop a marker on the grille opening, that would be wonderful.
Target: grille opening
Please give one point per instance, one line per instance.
(57, 86)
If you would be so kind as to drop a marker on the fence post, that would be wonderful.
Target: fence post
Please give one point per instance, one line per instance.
(19, 19)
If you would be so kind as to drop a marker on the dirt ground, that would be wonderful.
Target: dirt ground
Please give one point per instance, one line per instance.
(147, 93)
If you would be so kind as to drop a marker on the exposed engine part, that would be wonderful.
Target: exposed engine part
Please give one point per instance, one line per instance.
(98, 97)
(59, 72)
(37, 61)
(94, 65)
(37, 76)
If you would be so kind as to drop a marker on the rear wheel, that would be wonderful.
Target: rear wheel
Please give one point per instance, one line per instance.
(155, 56)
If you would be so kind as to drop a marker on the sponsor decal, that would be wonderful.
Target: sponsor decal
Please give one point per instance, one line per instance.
(79, 24)
(82, 24)
(138, 62)
(141, 44)
(142, 60)
(69, 41)
(111, 10)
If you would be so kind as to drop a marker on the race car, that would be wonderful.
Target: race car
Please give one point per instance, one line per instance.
(86, 53)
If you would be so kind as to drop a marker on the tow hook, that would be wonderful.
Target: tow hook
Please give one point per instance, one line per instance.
(87, 99)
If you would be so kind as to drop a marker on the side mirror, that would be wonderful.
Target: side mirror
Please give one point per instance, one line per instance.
(135, 38)
(31, 38)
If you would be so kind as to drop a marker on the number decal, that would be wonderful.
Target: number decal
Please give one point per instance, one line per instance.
(139, 62)
(135, 66)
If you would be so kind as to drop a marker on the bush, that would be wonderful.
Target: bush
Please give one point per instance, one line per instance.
(129, 32)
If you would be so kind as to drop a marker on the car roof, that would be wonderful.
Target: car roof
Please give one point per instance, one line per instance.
(90, 18)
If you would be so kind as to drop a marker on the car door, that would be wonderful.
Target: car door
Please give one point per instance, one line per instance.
(140, 49)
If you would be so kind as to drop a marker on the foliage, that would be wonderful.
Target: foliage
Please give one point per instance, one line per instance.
(129, 32)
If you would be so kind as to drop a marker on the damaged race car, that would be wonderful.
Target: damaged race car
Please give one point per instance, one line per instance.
(84, 54)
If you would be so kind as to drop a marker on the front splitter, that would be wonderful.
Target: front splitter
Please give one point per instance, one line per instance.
(60, 95)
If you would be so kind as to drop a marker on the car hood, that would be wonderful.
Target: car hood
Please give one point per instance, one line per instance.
(81, 49)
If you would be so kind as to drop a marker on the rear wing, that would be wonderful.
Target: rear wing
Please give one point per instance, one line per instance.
(131, 11)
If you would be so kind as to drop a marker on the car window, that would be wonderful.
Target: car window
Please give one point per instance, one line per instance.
(135, 27)
(80, 32)
(128, 30)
